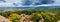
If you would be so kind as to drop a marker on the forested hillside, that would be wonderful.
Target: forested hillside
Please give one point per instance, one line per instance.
(49, 15)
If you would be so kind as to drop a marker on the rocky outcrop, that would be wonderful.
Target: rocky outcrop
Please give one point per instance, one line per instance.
(3, 19)
(27, 18)
(41, 20)
(58, 21)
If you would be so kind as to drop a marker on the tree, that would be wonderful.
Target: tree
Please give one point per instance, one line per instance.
(6, 13)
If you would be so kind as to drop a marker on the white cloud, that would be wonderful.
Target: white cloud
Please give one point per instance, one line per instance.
(57, 1)
(9, 3)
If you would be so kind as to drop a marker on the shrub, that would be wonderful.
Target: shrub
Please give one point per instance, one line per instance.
(14, 17)
(35, 17)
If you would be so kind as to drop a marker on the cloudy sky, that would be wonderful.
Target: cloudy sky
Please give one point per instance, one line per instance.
(56, 1)
(9, 3)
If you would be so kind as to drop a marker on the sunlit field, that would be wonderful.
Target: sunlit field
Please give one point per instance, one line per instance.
(30, 14)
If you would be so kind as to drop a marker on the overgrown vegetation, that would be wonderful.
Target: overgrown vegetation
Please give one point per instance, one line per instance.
(51, 15)
(14, 17)
(35, 17)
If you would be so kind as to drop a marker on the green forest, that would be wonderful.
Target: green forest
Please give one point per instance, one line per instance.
(49, 15)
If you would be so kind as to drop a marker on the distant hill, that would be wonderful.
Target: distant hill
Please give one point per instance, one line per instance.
(41, 7)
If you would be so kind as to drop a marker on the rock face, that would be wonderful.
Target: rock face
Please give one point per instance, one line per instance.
(58, 21)
(28, 19)
(25, 18)
(41, 20)
(3, 19)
